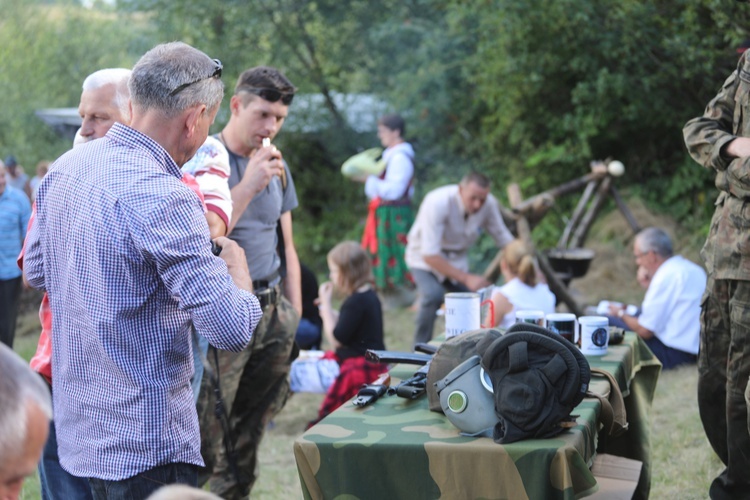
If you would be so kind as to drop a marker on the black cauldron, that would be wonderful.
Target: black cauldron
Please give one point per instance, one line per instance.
(572, 262)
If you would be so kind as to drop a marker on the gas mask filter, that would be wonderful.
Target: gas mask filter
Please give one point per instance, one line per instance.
(467, 398)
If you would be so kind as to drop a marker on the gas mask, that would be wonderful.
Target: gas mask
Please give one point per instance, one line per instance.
(467, 398)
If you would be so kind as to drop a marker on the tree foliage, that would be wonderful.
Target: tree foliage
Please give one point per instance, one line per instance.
(46, 51)
(528, 91)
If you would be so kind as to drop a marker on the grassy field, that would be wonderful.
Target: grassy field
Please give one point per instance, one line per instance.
(683, 463)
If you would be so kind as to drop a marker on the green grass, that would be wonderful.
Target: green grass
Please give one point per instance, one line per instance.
(683, 462)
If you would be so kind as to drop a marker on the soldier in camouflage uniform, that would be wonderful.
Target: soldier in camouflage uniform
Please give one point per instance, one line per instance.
(255, 383)
(720, 140)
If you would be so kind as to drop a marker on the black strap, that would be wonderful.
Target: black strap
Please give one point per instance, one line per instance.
(280, 250)
(221, 414)
(265, 283)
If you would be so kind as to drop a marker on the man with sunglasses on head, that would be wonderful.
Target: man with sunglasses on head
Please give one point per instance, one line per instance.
(123, 249)
(254, 383)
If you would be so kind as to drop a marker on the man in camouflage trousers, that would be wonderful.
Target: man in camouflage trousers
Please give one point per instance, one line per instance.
(720, 140)
(255, 383)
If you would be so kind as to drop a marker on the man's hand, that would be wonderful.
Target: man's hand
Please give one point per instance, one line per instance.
(234, 257)
(265, 163)
(474, 282)
(615, 308)
(738, 148)
(441, 265)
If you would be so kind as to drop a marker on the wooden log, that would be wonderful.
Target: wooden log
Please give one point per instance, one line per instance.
(577, 213)
(522, 230)
(579, 237)
(522, 225)
(557, 286)
(492, 273)
(551, 194)
(625, 210)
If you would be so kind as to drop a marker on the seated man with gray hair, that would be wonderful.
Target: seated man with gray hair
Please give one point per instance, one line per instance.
(25, 412)
(669, 322)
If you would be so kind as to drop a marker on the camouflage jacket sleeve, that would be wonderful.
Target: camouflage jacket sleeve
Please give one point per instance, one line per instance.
(706, 135)
(727, 117)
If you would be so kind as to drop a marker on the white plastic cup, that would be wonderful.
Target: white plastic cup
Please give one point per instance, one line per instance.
(530, 316)
(594, 335)
(462, 313)
(564, 324)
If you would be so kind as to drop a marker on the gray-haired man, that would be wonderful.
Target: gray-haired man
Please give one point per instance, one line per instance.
(123, 248)
(25, 410)
(105, 100)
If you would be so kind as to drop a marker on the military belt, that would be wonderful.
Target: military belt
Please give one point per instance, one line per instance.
(267, 296)
(271, 280)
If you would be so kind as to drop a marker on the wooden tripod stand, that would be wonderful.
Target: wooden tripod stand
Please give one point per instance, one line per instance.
(597, 186)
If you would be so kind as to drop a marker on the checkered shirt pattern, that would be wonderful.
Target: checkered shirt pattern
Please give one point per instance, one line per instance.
(123, 250)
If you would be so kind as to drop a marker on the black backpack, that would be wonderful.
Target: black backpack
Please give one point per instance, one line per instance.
(538, 378)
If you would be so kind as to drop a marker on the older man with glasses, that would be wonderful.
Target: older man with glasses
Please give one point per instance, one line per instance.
(123, 248)
(254, 382)
(669, 321)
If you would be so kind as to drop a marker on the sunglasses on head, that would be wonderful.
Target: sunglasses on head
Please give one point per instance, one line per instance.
(270, 95)
(216, 74)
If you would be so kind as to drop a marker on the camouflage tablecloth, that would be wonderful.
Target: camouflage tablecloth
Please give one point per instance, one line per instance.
(397, 448)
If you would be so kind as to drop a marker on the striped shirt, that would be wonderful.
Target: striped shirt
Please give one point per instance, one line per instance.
(210, 167)
(123, 250)
(15, 211)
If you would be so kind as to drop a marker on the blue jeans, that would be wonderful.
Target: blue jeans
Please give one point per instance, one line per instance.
(141, 486)
(308, 334)
(669, 356)
(56, 482)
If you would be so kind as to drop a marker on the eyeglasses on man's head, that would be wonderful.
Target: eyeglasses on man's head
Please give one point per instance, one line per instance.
(216, 74)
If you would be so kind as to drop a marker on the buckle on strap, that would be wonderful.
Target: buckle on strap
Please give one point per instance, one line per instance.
(267, 296)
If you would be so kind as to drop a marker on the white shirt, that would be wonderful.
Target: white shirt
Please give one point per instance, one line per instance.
(522, 296)
(671, 308)
(399, 170)
(443, 228)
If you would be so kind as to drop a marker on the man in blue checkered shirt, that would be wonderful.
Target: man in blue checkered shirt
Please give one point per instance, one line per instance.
(123, 249)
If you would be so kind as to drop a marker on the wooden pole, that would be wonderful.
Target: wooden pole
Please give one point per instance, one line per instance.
(557, 286)
(522, 225)
(492, 273)
(545, 196)
(579, 237)
(553, 280)
(577, 213)
(625, 210)
(523, 231)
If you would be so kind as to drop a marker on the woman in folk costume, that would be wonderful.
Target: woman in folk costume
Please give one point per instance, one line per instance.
(391, 213)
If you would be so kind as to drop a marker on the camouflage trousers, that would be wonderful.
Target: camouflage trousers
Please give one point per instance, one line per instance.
(255, 387)
(723, 390)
